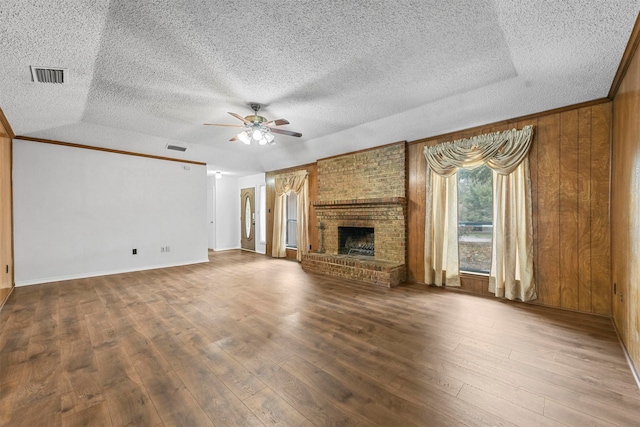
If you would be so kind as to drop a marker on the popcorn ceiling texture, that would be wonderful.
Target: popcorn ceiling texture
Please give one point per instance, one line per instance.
(347, 75)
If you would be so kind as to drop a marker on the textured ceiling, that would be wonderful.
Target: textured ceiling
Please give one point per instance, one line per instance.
(347, 75)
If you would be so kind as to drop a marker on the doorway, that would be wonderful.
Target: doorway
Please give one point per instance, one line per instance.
(248, 219)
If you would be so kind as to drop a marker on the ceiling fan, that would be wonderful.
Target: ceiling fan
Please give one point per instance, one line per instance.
(256, 128)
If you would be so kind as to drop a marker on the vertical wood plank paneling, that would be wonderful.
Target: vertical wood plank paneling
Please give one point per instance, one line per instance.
(413, 213)
(600, 237)
(271, 196)
(416, 212)
(533, 170)
(625, 206)
(549, 210)
(421, 201)
(584, 209)
(568, 200)
(621, 198)
(313, 197)
(6, 212)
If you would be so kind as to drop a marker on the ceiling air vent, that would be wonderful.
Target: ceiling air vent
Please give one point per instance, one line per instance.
(49, 74)
(176, 148)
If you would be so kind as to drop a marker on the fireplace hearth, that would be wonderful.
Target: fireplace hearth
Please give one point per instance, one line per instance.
(356, 241)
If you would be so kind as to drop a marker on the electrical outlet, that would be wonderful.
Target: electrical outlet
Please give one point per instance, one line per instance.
(135, 252)
(162, 249)
(621, 297)
(168, 249)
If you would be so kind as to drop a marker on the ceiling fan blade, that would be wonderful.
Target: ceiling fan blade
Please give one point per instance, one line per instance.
(239, 117)
(286, 132)
(223, 124)
(278, 122)
(235, 138)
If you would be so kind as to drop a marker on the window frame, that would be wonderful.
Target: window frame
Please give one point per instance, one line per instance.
(289, 220)
(468, 270)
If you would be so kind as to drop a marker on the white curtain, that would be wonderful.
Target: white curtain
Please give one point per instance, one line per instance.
(511, 274)
(296, 182)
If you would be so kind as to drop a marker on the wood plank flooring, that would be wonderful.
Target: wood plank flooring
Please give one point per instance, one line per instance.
(250, 340)
(4, 294)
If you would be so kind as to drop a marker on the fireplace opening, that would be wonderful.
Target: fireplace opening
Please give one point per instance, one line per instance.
(356, 241)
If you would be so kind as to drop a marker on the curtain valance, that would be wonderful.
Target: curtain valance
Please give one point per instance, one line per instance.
(500, 151)
(287, 182)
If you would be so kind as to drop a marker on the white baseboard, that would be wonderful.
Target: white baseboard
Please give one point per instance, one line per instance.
(103, 273)
(226, 249)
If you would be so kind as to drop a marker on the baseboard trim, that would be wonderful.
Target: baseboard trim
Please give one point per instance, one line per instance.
(226, 249)
(6, 298)
(634, 372)
(104, 273)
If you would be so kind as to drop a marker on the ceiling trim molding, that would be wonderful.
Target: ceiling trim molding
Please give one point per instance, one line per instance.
(108, 150)
(7, 126)
(514, 120)
(627, 56)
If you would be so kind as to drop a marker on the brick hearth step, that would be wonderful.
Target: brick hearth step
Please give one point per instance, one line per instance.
(355, 267)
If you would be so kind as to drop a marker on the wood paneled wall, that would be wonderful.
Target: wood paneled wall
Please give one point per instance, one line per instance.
(569, 163)
(625, 206)
(312, 169)
(6, 223)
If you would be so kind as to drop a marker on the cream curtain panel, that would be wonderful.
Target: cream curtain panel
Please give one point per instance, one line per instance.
(296, 182)
(511, 274)
(441, 241)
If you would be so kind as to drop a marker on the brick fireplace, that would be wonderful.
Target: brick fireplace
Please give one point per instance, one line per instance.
(363, 190)
(356, 241)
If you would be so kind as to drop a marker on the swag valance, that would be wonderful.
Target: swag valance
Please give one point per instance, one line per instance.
(500, 151)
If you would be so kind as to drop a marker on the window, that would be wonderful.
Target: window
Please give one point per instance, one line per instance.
(263, 214)
(475, 225)
(292, 223)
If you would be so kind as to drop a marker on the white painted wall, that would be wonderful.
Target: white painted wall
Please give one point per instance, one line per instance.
(211, 228)
(254, 181)
(227, 213)
(79, 213)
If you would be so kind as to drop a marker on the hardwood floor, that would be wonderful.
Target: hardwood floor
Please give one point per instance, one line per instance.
(4, 294)
(250, 340)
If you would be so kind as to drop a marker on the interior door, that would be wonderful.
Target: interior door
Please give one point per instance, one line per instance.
(248, 219)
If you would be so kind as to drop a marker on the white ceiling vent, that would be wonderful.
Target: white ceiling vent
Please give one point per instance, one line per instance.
(49, 74)
(176, 147)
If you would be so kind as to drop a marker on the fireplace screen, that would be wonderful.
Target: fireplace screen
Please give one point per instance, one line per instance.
(356, 241)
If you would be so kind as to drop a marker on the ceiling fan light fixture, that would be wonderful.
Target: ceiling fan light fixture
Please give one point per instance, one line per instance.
(269, 137)
(244, 137)
(257, 129)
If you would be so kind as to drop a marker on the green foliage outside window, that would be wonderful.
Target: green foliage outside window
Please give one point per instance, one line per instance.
(475, 218)
(475, 195)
